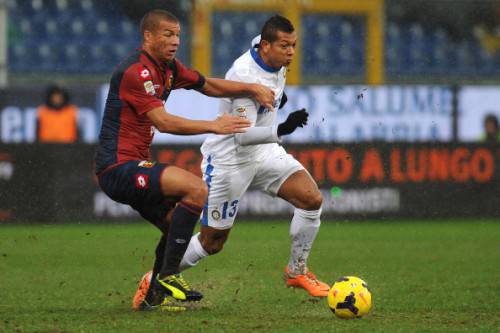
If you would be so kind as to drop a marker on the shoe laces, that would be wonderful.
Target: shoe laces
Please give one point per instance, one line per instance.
(311, 278)
(182, 282)
(311, 275)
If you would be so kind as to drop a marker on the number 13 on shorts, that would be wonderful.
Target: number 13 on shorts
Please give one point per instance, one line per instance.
(220, 216)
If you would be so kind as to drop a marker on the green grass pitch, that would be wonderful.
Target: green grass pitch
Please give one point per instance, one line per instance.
(433, 276)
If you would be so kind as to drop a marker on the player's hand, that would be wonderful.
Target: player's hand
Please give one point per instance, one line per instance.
(295, 119)
(227, 124)
(264, 95)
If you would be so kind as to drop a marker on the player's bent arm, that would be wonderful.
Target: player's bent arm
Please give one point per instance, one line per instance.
(169, 123)
(226, 88)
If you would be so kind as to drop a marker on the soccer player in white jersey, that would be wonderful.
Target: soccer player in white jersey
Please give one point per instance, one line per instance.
(231, 163)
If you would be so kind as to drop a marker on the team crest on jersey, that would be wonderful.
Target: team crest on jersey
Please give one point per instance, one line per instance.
(215, 214)
(146, 164)
(149, 87)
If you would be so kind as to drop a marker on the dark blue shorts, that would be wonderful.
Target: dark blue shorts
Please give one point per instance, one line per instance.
(137, 183)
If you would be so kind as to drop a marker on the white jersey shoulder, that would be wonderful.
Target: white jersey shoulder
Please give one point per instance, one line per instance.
(248, 68)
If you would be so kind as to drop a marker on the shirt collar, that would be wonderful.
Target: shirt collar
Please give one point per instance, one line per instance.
(255, 55)
(163, 65)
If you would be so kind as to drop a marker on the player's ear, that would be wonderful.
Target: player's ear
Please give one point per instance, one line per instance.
(147, 35)
(265, 46)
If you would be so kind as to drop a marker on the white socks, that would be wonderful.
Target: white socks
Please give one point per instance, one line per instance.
(194, 253)
(303, 229)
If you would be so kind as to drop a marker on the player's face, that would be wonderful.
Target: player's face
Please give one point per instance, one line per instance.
(164, 42)
(282, 50)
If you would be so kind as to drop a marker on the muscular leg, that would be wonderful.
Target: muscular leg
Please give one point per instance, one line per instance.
(192, 192)
(302, 192)
(207, 242)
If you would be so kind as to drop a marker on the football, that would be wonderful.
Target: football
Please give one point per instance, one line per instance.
(350, 297)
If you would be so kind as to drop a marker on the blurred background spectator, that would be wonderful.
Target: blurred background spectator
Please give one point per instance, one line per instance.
(57, 118)
(491, 130)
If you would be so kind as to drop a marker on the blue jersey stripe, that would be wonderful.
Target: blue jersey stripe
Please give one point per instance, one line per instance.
(208, 180)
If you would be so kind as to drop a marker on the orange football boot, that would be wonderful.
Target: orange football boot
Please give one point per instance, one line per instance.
(307, 281)
(142, 290)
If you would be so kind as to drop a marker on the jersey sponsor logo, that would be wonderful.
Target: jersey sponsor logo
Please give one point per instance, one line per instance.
(146, 164)
(215, 214)
(141, 181)
(149, 87)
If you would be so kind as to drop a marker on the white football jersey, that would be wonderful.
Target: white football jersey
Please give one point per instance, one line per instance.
(249, 68)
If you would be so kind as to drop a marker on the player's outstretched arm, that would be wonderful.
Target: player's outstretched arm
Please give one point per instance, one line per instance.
(269, 134)
(227, 88)
(169, 123)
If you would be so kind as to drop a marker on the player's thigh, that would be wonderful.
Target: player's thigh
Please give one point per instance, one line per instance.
(226, 185)
(301, 191)
(177, 182)
(273, 171)
(134, 182)
(137, 183)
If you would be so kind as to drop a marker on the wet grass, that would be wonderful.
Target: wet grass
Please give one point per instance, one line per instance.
(440, 276)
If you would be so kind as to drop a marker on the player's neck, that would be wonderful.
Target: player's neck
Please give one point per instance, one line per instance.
(151, 54)
(266, 60)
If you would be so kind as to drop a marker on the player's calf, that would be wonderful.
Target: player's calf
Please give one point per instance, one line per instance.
(213, 240)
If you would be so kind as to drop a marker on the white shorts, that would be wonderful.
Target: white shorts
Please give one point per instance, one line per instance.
(227, 183)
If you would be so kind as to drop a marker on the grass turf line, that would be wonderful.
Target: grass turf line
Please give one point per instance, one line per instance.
(425, 276)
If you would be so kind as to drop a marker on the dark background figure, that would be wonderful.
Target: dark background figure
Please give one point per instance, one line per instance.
(491, 130)
(57, 118)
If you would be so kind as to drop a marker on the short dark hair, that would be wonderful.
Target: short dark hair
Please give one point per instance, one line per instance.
(151, 19)
(273, 25)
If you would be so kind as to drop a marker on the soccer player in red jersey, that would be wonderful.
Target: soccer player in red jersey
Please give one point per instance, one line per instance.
(167, 196)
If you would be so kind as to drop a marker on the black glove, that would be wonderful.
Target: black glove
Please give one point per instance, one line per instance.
(295, 119)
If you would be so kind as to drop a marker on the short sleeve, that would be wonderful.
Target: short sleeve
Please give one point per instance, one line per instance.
(187, 78)
(138, 91)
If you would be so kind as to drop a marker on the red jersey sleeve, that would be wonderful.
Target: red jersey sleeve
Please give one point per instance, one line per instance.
(187, 78)
(137, 90)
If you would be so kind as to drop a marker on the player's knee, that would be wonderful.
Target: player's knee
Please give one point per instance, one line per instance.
(213, 242)
(313, 201)
(198, 194)
(212, 246)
